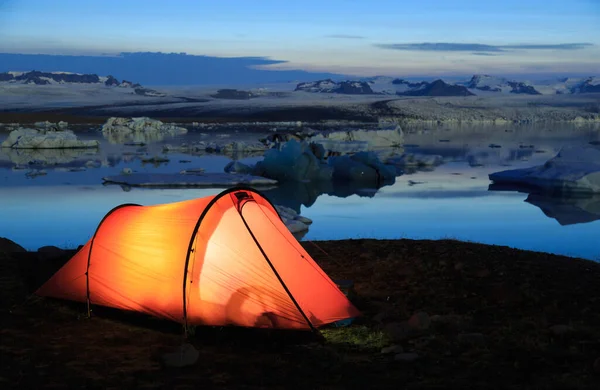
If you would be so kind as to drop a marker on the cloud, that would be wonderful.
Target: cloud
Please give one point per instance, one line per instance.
(559, 46)
(479, 48)
(345, 36)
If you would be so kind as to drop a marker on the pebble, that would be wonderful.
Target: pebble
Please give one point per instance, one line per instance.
(406, 357)
(420, 321)
(560, 329)
(395, 349)
(597, 366)
(471, 338)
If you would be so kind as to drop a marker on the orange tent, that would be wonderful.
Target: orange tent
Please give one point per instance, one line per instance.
(226, 259)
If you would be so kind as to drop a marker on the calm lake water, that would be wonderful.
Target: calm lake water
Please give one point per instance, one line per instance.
(453, 200)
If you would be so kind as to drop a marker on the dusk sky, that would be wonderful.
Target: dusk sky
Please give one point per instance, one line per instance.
(345, 36)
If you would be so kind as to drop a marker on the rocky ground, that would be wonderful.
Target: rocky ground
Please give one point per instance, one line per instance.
(436, 314)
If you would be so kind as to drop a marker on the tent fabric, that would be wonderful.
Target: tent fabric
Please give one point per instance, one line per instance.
(228, 256)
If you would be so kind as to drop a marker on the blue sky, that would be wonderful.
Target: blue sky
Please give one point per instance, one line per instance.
(346, 36)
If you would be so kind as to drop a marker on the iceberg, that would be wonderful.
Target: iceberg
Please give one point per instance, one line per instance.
(138, 130)
(367, 139)
(362, 166)
(567, 211)
(294, 162)
(24, 138)
(574, 170)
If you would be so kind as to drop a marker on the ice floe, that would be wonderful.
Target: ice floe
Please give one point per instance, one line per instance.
(24, 138)
(138, 130)
(575, 169)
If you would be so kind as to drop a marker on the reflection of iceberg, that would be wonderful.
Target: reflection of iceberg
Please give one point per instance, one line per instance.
(135, 137)
(567, 211)
(297, 194)
(46, 156)
(574, 170)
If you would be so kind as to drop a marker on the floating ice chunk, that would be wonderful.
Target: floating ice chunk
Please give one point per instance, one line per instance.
(575, 169)
(368, 139)
(294, 162)
(42, 139)
(363, 166)
(141, 129)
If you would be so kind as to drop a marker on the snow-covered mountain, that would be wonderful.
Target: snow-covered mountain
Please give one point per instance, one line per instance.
(330, 86)
(588, 85)
(487, 83)
(60, 78)
(384, 86)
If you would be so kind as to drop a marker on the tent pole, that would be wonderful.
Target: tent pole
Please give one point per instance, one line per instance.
(289, 293)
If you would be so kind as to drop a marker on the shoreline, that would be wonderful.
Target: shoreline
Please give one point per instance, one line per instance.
(513, 110)
(434, 313)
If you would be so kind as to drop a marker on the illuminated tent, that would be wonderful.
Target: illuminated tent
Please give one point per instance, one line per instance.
(226, 259)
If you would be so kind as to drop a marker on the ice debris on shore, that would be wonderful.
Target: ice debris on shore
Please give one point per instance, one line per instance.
(295, 223)
(138, 130)
(24, 138)
(575, 169)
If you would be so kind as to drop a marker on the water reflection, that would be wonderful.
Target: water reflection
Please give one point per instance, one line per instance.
(566, 210)
(453, 199)
(297, 194)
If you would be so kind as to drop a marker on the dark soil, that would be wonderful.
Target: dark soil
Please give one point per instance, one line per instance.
(193, 113)
(497, 318)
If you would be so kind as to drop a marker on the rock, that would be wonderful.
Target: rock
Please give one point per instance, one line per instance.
(176, 180)
(575, 169)
(482, 273)
(395, 349)
(381, 316)
(406, 357)
(140, 129)
(560, 329)
(23, 138)
(471, 338)
(182, 356)
(9, 246)
(596, 366)
(419, 321)
(398, 331)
